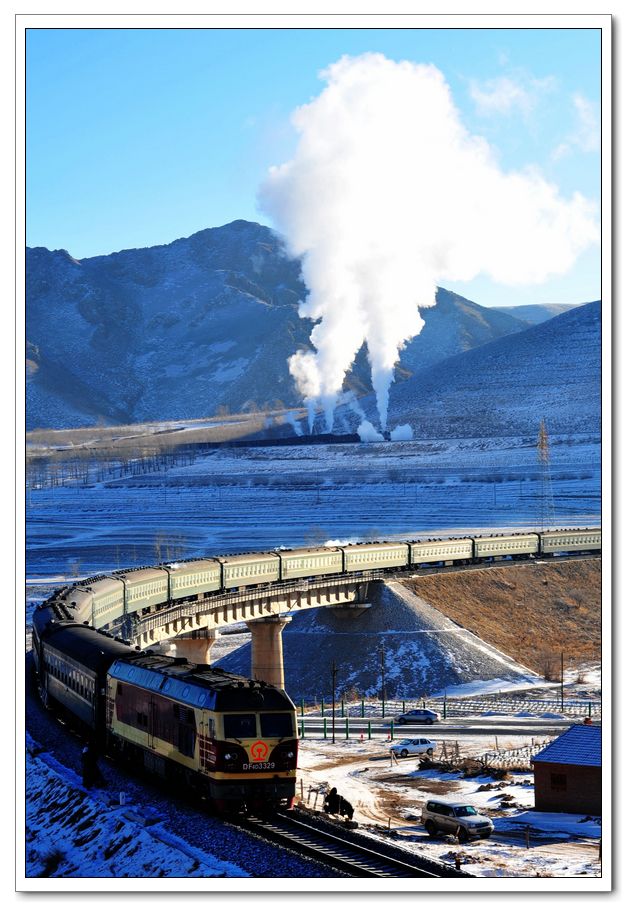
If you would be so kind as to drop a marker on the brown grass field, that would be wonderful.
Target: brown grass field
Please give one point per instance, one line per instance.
(119, 441)
(532, 613)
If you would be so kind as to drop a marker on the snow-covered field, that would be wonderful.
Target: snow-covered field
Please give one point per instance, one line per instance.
(238, 499)
(388, 796)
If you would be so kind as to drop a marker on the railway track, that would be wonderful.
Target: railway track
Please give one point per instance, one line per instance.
(339, 852)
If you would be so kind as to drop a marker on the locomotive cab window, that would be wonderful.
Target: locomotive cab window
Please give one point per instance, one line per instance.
(276, 725)
(242, 725)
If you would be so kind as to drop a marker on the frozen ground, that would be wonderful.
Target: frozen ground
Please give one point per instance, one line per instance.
(391, 794)
(240, 499)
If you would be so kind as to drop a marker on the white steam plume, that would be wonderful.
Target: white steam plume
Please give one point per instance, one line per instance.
(388, 195)
(368, 433)
(402, 433)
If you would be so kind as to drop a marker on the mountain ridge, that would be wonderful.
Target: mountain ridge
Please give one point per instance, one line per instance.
(180, 329)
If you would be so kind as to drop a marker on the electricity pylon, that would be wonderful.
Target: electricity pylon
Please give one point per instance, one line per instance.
(547, 507)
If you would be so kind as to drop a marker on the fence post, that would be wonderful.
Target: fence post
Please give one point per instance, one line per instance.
(347, 728)
(369, 730)
(589, 710)
(302, 707)
(392, 730)
(363, 711)
(383, 708)
(444, 711)
(324, 729)
(322, 707)
(342, 705)
(403, 705)
(302, 728)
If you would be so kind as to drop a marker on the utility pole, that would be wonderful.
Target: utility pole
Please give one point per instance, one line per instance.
(382, 681)
(562, 680)
(547, 507)
(333, 679)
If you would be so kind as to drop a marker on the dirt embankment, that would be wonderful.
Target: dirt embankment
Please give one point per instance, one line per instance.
(531, 612)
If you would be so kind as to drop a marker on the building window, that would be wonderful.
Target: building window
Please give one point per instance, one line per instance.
(558, 782)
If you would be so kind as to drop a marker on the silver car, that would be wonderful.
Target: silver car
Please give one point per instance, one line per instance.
(426, 716)
(457, 818)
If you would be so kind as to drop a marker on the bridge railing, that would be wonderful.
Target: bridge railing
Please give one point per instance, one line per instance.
(167, 614)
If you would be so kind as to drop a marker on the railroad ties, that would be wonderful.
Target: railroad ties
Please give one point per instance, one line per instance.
(349, 856)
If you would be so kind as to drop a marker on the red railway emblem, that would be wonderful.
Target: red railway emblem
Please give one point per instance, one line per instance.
(259, 750)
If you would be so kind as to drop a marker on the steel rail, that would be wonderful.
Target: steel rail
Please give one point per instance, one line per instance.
(349, 856)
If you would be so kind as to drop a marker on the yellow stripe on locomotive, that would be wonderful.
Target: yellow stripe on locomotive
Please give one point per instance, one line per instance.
(234, 740)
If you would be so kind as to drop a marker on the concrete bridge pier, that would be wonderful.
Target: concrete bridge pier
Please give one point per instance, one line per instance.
(196, 649)
(267, 649)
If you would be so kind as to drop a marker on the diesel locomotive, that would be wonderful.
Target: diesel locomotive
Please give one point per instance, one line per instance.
(231, 740)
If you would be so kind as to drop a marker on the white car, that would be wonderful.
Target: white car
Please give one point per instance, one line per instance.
(414, 746)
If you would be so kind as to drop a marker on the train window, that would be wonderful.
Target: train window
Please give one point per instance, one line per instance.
(276, 724)
(242, 725)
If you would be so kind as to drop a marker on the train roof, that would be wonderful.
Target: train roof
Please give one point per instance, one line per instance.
(570, 532)
(440, 540)
(199, 685)
(101, 585)
(306, 550)
(87, 646)
(191, 565)
(249, 557)
(138, 576)
(48, 615)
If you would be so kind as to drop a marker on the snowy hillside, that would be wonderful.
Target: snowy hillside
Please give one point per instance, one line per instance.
(533, 313)
(425, 652)
(552, 370)
(179, 330)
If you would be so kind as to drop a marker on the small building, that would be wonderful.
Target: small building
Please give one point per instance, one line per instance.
(568, 772)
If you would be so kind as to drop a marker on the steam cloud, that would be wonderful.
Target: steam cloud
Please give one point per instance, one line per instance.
(388, 195)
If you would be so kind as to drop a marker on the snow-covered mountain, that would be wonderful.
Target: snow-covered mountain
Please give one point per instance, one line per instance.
(537, 312)
(551, 371)
(178, 330)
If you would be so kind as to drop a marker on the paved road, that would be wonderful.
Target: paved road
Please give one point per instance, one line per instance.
(451, 728)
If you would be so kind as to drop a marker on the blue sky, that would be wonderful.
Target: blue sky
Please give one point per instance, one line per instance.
(138, 137)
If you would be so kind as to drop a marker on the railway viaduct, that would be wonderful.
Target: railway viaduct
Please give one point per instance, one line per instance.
(266, 610)
(191, 627)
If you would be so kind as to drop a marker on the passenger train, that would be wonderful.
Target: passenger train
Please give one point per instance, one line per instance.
(231, 739)
(106, 601)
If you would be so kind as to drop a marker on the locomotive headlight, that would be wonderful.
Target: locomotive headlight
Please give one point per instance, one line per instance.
(289, 755)
(230, 756)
